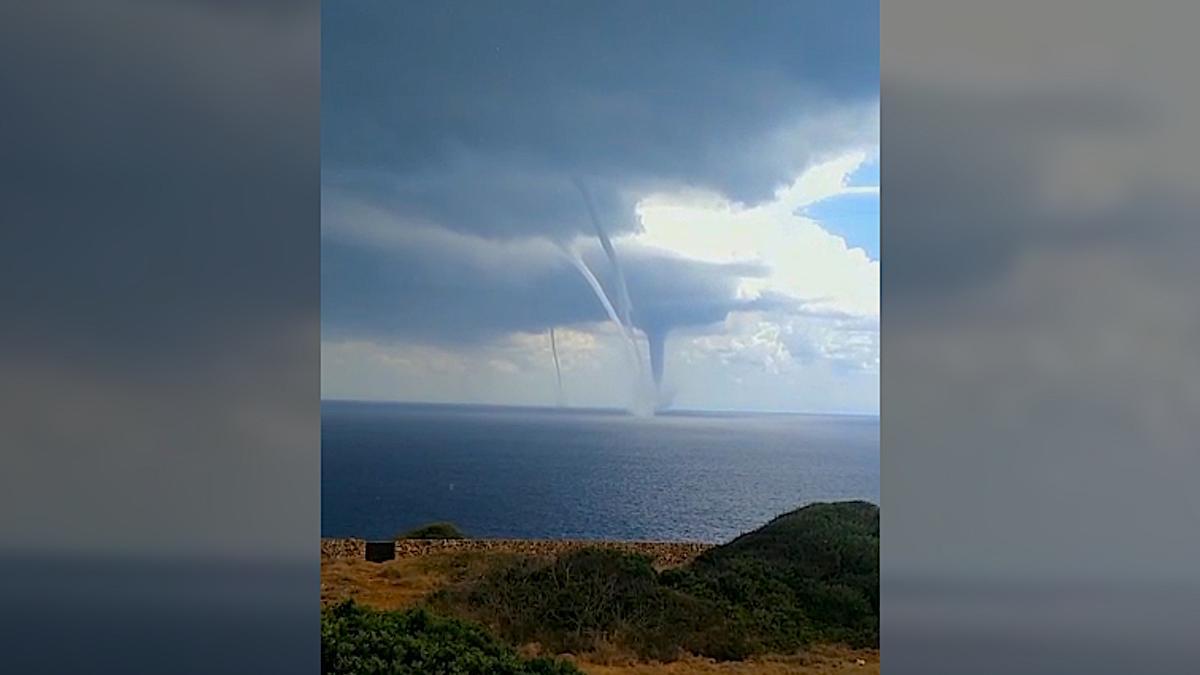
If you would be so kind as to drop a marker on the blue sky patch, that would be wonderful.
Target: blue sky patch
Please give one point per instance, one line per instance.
(866, 175)
(853, 217)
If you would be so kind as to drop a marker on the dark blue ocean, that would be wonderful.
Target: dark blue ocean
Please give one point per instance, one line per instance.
(526, 472)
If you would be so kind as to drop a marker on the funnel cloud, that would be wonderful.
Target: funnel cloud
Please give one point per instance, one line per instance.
(560, 399)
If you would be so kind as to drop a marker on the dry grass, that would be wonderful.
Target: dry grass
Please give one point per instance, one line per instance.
(403, 583)
(819, 661)
(400, 583)
(392, 585)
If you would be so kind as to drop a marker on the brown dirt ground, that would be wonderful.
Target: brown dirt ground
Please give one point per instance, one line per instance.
(402, 583)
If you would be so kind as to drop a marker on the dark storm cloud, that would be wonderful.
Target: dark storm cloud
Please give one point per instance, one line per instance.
(423, 291)
(476, 116)
(674, 292)
(476, 119)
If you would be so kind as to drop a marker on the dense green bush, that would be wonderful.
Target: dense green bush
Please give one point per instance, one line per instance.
(582, 602)
(434, 531)
(810, 575)
(360, 641)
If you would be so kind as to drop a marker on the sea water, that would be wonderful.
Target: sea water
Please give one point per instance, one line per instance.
(590, 474)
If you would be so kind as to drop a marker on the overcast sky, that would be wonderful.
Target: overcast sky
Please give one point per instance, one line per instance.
(731, 154)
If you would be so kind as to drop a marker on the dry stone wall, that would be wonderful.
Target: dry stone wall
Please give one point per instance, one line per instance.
(663, 554)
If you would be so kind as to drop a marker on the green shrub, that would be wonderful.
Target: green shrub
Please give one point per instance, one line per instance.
(811, 575)
(581, 602)
(433, 531)
(360, 641)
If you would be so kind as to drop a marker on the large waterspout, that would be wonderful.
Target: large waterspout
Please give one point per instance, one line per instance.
(624, 304)
(627, 337)
(594, 283)
(657, 343)
(620, 312)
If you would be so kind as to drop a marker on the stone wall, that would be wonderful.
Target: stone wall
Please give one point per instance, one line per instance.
(663, 554)
(353, 549)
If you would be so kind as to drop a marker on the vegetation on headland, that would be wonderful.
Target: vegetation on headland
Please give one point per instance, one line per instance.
(434, 531)
(585, 601)
(360, 641)
(809, 576)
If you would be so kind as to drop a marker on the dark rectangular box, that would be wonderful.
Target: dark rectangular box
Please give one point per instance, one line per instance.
(381, 551)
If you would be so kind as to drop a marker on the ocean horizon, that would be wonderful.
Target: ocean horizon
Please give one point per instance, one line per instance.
(584, 473)
(604, 410)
